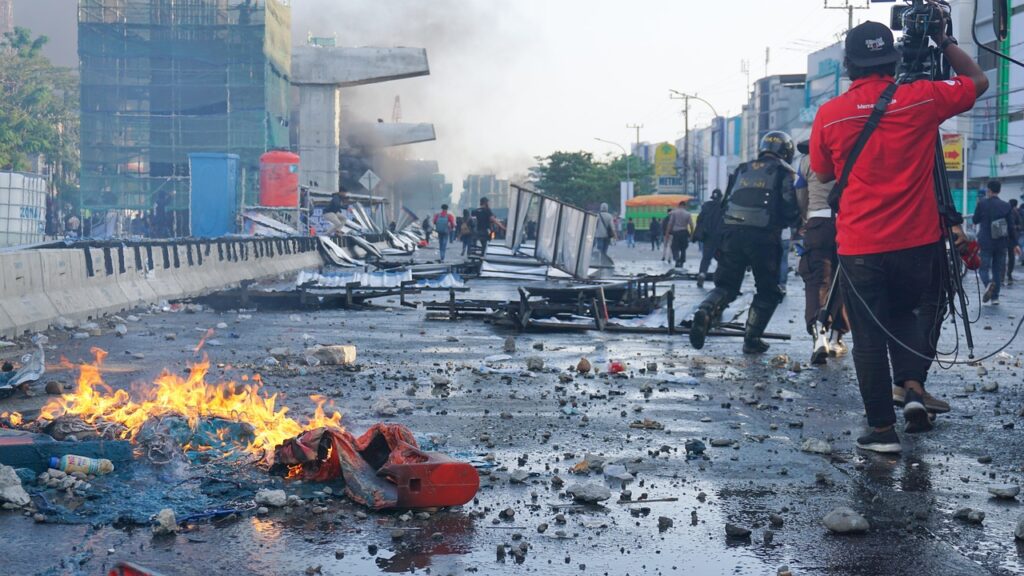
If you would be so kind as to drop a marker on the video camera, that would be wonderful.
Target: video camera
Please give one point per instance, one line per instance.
(919, 21)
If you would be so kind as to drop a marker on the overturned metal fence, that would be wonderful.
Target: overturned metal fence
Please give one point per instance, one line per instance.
(551, 231)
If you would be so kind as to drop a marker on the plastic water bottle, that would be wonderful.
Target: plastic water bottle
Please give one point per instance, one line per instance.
(72, 463)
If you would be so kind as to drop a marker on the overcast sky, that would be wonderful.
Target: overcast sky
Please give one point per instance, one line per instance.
(514, 79)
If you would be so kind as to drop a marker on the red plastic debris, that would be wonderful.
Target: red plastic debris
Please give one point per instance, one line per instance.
(129, 569)
(383, 468)
(616, 366)
(429, 479)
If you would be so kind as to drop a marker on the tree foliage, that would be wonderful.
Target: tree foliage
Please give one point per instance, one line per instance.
(38, 108)
(579, 179)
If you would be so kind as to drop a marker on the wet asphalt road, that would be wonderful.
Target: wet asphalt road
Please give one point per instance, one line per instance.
(764, 412)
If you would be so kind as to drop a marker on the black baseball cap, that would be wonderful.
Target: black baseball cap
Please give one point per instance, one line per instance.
(871, 44)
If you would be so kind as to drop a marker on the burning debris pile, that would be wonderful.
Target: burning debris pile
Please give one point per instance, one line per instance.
(228, 417)
(239, 429)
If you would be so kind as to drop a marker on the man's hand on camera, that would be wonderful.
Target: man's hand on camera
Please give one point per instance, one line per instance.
(941, 35)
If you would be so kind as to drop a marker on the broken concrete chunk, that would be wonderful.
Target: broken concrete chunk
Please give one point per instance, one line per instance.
(534, 364)
(272, 498)
(344, 355)
(439, 380)
(589, 493)
(11, 491)
(970, 515)
(816, 446)
(510, 345)
(1004, 491)
(845, 521)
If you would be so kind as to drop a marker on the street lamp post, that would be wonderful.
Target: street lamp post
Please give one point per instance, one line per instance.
(629, 179)
(677, 95)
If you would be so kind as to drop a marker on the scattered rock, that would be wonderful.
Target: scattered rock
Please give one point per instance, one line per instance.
(55, 388)
(1004, 491)
(769, 537)
(397, 534)
(11, 491)
(845, 521)
(510, 345)
(518, 476)
(390, 407)
(507, 514)
(543, 527)
(1018, 532)
(589, 493)
(734, 531)
(165, 522)
(664, 523)
(647, 424)
(618, 472)
(440, 380)
(775, 520)
(170, 336)
(121, 330)
(816, 446)
(272, 498)
(969, 515)
(722, 442)
(344, 355)
(984, 459)
(695, 447)
(583, 367)
(990, 387)
(534, 364)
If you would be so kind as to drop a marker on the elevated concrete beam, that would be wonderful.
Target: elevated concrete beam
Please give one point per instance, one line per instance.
(345, 67)
(380, 135)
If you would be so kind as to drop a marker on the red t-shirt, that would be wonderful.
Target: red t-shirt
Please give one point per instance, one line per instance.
(889, 201)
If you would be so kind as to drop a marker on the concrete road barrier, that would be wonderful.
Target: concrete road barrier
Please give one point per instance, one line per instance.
(80, 283)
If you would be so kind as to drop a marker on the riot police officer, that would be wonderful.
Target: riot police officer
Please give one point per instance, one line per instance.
(759, 204)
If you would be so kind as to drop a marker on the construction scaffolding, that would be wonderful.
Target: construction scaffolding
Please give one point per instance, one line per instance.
(162, 79)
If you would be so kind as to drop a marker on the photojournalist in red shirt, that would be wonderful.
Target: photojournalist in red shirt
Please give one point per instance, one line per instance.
(887, 229)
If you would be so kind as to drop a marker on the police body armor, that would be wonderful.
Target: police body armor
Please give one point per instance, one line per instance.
(755, 200)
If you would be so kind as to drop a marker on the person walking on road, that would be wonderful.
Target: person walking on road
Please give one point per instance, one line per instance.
(889, 230)
(466, 228)
(709, 224)
(818, 263)
(677, 231)
(605, 230)
(655, 231)
(761, 202)
(995, 232)
(444, 223)
(485, 222)
(630, 233)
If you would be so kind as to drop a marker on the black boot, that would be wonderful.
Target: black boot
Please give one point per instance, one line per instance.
(757, 320)
(705, 315)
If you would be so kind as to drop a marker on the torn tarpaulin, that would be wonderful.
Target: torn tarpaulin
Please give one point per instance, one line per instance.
(383, 468)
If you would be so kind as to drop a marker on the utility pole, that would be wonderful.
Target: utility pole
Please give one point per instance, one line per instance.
(686, 137)
(849, 6)
(636, 127)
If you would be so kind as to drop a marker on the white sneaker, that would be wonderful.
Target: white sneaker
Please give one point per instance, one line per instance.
(821, 349)
(836, 347)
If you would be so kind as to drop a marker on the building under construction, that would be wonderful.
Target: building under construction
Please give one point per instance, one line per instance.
(162, 79)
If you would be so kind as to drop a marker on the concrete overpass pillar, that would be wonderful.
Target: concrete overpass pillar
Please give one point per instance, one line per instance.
(319, 136)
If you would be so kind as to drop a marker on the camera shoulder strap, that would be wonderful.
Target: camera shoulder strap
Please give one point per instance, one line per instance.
(876, 116)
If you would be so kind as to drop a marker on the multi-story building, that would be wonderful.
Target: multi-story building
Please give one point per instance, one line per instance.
(162, 80)
(477, 186)
(6, 16)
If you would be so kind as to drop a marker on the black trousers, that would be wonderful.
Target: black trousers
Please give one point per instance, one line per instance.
(818, 267)
(711, 242)
(680, 242)
(902, 290)
(759, 249)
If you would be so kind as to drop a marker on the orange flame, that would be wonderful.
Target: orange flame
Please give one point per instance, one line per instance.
(191, 398)
(14, 418)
